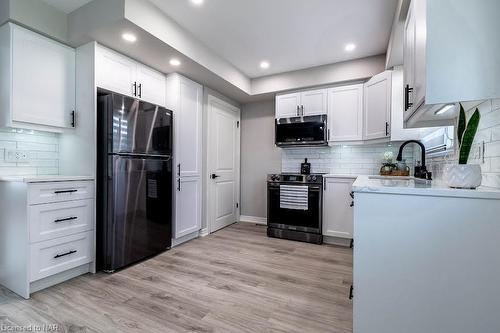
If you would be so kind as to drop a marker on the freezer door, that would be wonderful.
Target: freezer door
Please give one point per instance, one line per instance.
(141, 214)
(138, 127)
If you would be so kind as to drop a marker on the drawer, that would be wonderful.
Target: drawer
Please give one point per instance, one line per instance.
(40, 193)
(58, 255)
(49, 221)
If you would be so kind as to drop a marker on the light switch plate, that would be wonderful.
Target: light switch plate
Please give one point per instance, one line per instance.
(14, 155)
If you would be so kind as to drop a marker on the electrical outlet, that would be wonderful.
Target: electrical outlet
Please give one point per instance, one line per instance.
(13, 155)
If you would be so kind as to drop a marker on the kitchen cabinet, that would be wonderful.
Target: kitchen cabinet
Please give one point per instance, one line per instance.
(185, 97)
(337, 207)
(120, 74)
(48, 232)
(303, 103)
(345, 113)
(377, 107)
(39, 77)
(445, 59)
(416, 247)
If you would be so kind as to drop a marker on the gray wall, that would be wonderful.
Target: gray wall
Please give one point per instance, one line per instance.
(259, 156)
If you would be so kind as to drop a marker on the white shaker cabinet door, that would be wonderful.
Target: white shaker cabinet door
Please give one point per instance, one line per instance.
(314, 102)
(151, 85)
(288, 105)
(187, 206)
(337, 210)
(43, 79)
(116, 72)
(377, 108)
(345, 113)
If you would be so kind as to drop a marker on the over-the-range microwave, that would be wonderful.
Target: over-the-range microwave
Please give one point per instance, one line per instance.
(301, 131)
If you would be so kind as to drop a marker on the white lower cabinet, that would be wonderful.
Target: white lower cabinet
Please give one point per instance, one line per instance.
(338, 207)
(47, 232)
(187, 206)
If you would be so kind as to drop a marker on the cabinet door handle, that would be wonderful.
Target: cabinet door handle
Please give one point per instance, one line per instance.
(302, 110)
(351, 194)
(352, 204)
(407, 97)
(64, 254)
(134, 90)
(178, 184)
(65, 191)
(66, 219)
(351, 292)
(140, 90)
(179, 170)
(73, 119)
(298, 110)
(386, 128)
(328, 134)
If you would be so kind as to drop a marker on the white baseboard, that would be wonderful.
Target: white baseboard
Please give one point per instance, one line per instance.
(204, 232)
(253, 219)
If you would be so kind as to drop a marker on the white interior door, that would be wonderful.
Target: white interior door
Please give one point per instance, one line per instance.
(223, 164)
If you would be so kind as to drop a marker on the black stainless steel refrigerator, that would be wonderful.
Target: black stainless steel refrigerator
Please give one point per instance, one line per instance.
(134, 185)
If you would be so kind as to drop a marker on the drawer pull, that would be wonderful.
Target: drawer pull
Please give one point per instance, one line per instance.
(64, 254)
(66, 219)
(65, 191)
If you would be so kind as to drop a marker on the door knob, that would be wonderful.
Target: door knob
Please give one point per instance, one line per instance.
(213, 176)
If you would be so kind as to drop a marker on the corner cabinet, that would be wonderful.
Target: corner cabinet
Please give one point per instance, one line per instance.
(38, 76)
(377, 108)
(302, 103)
(120, 74)
(185, 98)
(338, 207)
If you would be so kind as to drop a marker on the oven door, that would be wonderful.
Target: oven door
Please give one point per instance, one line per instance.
(309, 220)
(301, 131)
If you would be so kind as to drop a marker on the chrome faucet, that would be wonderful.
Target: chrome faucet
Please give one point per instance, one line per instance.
(420, 171)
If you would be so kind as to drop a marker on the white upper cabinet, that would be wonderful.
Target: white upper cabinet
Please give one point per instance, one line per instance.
(377, 108)
(116, 72)
(303, 103)
(345, 113)
(449, 56)
(120, 74)
(150, 85)
(39, 80)
(314, 102)
(337, 208)
(288, 105)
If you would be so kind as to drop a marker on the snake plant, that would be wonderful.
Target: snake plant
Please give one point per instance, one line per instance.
(466, 131)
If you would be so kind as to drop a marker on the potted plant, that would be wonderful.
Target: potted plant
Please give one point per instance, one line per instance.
(463, 175)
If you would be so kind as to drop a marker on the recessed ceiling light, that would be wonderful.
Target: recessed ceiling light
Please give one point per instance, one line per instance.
(350, 47)
(197, 2)
(444, 109)
(175, 62)
(264, 64)
(129, 37)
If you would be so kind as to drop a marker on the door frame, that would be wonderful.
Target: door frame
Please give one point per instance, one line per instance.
(210, 200)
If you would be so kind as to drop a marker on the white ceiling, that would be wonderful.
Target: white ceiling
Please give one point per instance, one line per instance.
(67, 6)
(290, 34)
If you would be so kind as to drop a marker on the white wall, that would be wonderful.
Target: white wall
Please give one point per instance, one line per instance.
(259, 156)
(42, 149)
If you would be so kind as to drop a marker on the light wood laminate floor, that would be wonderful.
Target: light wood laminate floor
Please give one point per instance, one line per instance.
(236, 280)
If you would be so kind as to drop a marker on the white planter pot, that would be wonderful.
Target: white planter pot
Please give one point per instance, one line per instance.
(463, 176)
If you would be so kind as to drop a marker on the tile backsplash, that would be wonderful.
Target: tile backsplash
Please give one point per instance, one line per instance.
(357, 160)
(42, 149)
(489, 133)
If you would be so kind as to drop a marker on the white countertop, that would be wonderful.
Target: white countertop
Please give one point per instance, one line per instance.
(412, 186)
(340, 175)
(40, 179)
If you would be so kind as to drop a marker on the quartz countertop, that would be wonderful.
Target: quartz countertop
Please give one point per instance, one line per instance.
(413, 186)
(41, 179)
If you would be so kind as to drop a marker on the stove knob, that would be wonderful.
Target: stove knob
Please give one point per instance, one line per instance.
(308, 178)
(314, 178)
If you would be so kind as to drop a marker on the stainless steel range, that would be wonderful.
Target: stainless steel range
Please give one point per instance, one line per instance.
(294, 207)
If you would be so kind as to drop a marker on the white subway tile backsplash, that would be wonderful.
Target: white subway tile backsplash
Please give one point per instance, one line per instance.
(42, 148)
(489, 133)
(365, 159)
